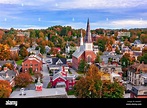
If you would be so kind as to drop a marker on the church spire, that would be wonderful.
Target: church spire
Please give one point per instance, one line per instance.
(81, 39)
(88, 34)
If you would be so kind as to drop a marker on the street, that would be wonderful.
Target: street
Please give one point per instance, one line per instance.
(46, 77)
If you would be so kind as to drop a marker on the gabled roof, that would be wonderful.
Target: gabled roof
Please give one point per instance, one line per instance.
(58, 75)
(10, 73)
(33, 57)
(55, 60)
(78, 53)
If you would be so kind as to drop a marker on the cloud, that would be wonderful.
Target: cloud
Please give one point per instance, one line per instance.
(78, 4)
(116, 24)
(129, 23)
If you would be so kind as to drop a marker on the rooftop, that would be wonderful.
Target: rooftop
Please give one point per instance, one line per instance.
(49, 93)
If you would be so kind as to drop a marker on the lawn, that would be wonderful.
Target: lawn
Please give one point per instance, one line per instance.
(19, 62)
(80, 72)
(70, 92)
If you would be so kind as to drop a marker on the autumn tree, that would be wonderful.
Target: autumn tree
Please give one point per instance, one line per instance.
(143, 38)
(23, 80)
(54, 51)
(23, 52)
(117, 51)
(5, 89)
(41, 34)
(133, 38)
(92, 85)
(126, 42)
(4, 52)
(112, 90)
(38, 75)
(9, 66)
(89, 86)
(135, 48)
(144, 50)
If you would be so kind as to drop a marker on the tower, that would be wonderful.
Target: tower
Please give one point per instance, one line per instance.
(88, 40)
(67, 49)
(38, 85)
(81, 39)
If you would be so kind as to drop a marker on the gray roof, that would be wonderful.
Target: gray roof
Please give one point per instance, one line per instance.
(11, 75)
(140, 87)
(78, 52)
(137, 42)
(1, 78)
(45, 93)
(136, 90)
(54, 60)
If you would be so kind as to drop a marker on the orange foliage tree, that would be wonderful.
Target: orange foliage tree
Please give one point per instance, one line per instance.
(96, 84)
(143, 38)
(4, 52)
(9, 65)
(5, 89)
(89, 86)
(144, 50)
(23, 80)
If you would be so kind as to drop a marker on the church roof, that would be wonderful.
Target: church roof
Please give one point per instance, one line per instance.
(78, 53)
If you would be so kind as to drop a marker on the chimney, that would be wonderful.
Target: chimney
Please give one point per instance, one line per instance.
(142, 62)
(22, 92)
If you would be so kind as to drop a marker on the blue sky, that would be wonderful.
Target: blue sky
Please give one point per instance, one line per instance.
(40, 14)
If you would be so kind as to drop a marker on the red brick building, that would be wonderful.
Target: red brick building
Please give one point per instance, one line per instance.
(34, 62)
(85, 51)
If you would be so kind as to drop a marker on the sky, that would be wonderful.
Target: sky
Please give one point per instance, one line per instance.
(41, 14)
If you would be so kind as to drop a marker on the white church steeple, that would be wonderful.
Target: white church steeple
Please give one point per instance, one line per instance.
(81, 39)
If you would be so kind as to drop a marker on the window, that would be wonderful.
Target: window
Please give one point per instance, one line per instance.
(36, 64)
(26, 65)
(31, 64)
(36, 69)
(88, 59)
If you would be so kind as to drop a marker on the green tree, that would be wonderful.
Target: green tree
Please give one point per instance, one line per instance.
(82, 66)
(98, 59)
(125, 60)
(32, 34)
(42, 49)
(144, 58)
(112, 90)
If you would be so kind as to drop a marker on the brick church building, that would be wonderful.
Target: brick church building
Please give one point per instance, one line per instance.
(85, 51)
